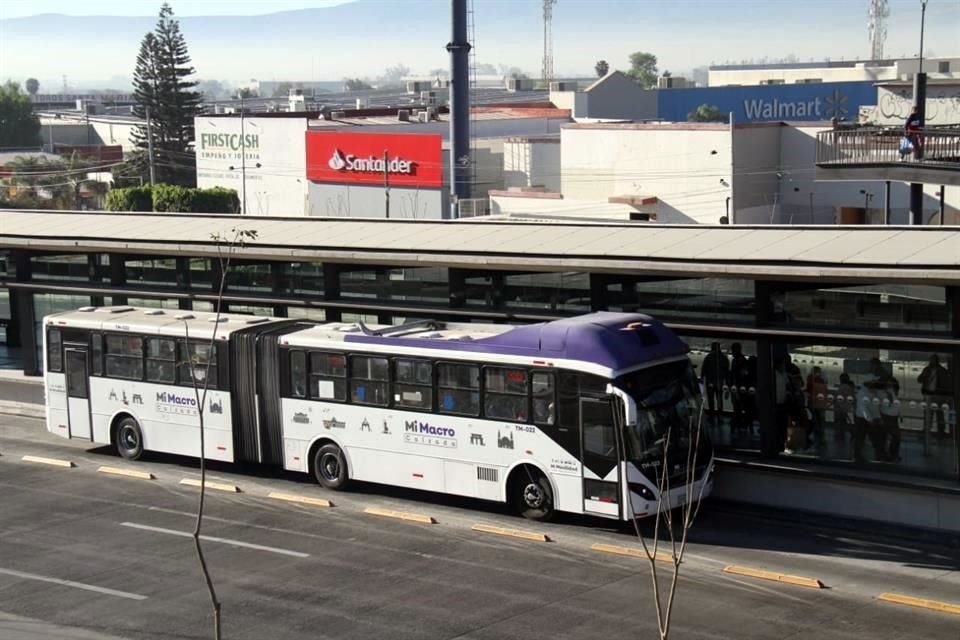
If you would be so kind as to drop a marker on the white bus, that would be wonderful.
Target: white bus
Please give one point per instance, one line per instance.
(570, 415)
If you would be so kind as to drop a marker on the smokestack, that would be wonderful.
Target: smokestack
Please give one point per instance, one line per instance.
(459, 50)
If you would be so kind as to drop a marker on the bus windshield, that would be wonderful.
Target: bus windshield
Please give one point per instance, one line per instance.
(667, 403)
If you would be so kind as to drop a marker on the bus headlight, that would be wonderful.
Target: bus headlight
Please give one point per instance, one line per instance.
(642, 490)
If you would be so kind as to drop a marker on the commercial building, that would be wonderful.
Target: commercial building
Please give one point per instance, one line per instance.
(830, 71)
(679, 173)
(330, 164)
(850, 306)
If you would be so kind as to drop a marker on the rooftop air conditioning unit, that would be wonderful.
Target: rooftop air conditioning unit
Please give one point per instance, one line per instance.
(336, 115)
(519, 84)
(563, 86)
(423, 116)
(403, 115)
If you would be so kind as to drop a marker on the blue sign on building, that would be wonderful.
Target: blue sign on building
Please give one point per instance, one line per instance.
(762, 103)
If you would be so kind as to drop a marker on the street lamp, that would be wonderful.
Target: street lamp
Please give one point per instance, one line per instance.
(923, 16)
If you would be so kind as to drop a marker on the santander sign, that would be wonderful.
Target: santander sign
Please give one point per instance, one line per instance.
(340, 162)
(412, 159)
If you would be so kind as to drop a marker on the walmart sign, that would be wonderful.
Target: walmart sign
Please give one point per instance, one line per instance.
(821, 101)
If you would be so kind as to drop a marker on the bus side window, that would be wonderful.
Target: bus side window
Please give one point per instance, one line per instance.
(298, 374)
(96, 358)
(505, 394)
(54, 350)
(544, 399)
(124, 357)
(413, 384)
(328, 376)
(370, 380)
(458, 389)
(161, 360)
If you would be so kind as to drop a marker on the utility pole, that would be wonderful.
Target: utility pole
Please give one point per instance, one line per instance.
(920, 102)
(386, 183)
(460, 160)
(153, 175)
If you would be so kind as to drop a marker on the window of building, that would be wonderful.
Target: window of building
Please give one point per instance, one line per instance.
(370, 380)
(505, 394)
(458, 386)
(161, 360)
(413, 384)
(328, 376)
(124, 357)
(943, 66)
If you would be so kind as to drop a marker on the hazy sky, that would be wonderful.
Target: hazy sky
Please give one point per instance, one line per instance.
(369, 35)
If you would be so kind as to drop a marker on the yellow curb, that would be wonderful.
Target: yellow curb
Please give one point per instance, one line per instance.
(629, 551)
(799, 581)
(400, 515)
(67, 464)
(935, 605)
(116, 471)
(219, 486)
(513, 533)
(289, 497)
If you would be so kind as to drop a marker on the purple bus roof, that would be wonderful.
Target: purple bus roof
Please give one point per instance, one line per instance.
(614, 340)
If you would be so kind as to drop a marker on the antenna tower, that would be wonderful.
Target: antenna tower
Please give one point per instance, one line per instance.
(548, 41)
(877, 28)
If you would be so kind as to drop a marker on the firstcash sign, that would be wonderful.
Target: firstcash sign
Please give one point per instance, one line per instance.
(405, 160)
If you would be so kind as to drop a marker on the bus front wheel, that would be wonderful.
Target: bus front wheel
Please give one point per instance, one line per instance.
(532, 495)
(129, 439)
(330, 467)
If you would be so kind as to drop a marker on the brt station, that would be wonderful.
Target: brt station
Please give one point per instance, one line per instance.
(829, 355)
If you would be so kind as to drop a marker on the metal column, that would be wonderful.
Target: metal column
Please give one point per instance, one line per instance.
(460, 160)
(916, 189)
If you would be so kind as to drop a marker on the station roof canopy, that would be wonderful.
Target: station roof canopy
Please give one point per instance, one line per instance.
(928, 255)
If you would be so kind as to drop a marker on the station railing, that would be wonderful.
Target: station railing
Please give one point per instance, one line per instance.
(938, 147)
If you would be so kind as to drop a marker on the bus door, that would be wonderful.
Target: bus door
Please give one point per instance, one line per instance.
(78, 392)
(600, 454)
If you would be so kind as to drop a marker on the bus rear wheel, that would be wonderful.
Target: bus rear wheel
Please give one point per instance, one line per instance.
(129, 439)
(532, 495)
(330, 467)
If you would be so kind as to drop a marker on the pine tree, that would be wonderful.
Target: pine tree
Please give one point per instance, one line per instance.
(161, 83)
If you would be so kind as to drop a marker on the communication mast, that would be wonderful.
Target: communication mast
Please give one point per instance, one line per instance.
(548, 41)
(877, 28)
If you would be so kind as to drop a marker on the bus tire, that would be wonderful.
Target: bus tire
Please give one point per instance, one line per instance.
(330, 467)
(532, 495)
(129, 439)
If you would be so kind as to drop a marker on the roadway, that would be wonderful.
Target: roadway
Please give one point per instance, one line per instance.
(89, 556)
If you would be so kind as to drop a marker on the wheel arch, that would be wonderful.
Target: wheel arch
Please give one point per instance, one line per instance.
(515, 471)
(318, 442)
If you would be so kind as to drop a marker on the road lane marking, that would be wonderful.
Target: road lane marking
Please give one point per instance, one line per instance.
(513, 533)
(67, 464)
(290, 497)
(130, 473)
(75, 585)
(227, 541)
(400, 515)
(631, 552)
(935, 605)
(799, 581)
(219, 486)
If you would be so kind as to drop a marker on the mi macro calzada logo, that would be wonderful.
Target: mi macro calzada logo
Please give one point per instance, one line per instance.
(371, 164)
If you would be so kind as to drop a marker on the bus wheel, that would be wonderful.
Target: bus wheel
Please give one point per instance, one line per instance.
(533, 496)
(329, 467)
(129, 439)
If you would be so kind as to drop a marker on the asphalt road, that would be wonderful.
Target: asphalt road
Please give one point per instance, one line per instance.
(90, 556)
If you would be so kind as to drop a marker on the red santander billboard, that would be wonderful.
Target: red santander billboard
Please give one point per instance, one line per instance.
(412, 159)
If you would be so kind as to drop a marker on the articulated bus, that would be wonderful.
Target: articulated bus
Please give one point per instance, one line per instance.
(570, 415)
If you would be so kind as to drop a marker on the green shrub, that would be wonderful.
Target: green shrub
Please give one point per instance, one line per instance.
(171, 198)
(215, 200)
(129, 199)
